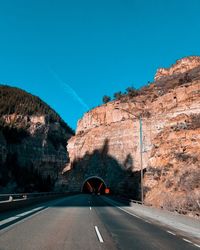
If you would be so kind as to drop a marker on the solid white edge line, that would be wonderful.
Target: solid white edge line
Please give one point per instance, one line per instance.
(8, 220)
(113, 203)
(149, 222)
(98, 234)
(171, 233)
(129, 212)
(196, 245)
(18, 216)
(28, 212)
(187, 240)
(30, 216)
(21, 221)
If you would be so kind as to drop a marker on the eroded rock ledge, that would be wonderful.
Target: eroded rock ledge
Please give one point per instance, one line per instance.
(171, 141)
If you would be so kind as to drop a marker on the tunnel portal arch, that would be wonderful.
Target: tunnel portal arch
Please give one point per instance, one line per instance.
(94, 184)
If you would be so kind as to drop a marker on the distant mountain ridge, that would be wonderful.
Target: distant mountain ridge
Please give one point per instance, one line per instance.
(17, 101)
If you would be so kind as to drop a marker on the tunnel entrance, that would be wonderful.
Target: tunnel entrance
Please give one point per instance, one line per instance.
(94, 185)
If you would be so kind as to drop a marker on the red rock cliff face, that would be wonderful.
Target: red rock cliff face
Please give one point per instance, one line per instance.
(171, 142)
(181, 66)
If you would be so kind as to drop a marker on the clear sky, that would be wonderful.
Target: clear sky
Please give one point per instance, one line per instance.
(72, 52)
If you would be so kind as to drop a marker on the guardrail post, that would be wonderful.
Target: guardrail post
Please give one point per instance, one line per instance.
(25, 196)
(10, 198)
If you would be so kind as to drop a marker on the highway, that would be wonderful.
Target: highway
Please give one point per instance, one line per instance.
(83, 222)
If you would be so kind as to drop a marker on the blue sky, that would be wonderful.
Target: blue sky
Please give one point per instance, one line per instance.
(71, 53)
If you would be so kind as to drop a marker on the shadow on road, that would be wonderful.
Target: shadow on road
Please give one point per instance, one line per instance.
(87, 200)
(72, 201)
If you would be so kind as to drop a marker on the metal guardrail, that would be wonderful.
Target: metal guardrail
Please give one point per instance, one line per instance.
(135, 201)
(23, 196)
(127, 199)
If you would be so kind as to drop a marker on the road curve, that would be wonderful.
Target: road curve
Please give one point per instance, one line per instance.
(83, 222)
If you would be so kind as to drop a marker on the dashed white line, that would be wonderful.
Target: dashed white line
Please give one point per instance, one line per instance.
(90, 208)
(171, 233)
(196, 245)
(187, 240)
(98, 234)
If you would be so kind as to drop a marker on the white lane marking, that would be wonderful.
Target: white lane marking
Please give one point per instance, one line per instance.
(171, 233)
(113, 203)
(21, 221)
(43, 209)
(98, 234)
(90, 208)
(187, 240)
(129, 213)
(28, 212)
(8, 220)
(148, 221)
(19, 215)
(196, 245)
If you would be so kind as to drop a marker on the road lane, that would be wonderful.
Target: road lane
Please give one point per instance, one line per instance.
(67, 225)
(131, 232)
(87, 222)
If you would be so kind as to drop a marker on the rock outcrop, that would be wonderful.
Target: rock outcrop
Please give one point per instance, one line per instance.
(181, 66)
(170, 114)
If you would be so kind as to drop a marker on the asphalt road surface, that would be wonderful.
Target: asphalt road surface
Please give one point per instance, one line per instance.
(83, 222)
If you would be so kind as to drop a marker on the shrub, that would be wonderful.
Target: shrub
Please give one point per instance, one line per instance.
(131, 91)
(185, 79)
(118, 95)
(186, 157)
(146, 114)
(146, 189)
(184, 204)
(106, 99)
(189, 180)
(155, 172)
(168, 184)
(195, 121)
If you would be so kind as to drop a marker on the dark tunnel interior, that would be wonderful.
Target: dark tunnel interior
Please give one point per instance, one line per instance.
(94, 185)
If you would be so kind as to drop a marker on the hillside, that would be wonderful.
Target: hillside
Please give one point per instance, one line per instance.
(33, 141)
(16, 101)
(170, 112)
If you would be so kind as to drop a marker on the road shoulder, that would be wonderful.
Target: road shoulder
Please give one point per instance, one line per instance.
(175, 222)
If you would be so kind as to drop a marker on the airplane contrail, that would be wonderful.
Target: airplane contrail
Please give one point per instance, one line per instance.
(69, 90)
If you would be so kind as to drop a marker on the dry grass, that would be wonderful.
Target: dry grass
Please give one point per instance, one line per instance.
(188, 204)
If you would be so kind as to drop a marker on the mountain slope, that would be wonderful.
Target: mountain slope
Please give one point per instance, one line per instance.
(33, 141)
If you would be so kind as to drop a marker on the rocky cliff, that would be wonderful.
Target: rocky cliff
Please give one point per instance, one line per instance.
(33, 142)
(181, 66)
(170, 114)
